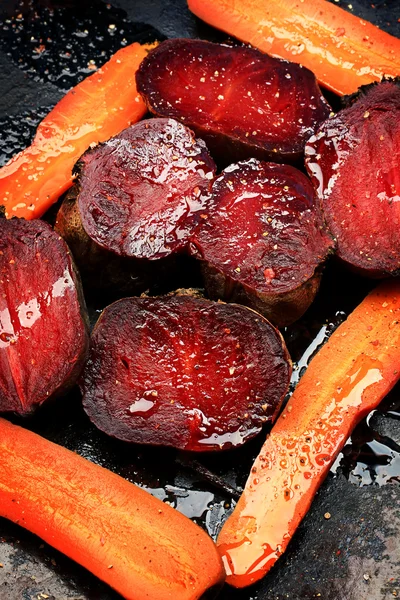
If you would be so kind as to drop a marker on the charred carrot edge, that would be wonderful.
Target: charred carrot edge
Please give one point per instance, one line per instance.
(140, 546)
(99, 107)
(342, 50)
(346, 379)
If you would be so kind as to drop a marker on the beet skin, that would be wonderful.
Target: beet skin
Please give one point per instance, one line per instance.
(242, 102)
(263, 240)
(184, 372)
(354, 163)
(43, 329)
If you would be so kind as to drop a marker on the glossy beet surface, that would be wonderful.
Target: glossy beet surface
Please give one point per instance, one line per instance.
(354, 163)
(184, 372)
(242, 102)
(104, 271)
(263, 240)
(142, 192)
(43, 336)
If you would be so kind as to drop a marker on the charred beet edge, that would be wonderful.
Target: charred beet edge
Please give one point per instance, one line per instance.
(184, 372)
(137, 199)
(242, 102)
(102, 270)
(43, 326)
(354, 163)
(263, 241)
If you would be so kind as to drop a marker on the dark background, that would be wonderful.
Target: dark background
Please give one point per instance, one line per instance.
(45, 48)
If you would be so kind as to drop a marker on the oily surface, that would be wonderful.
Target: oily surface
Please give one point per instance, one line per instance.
(354, 163)
(93, 515)
(263, 228)
(141, 192)
(184, 372)
(344, 382)
(262, 105)
(43, 337)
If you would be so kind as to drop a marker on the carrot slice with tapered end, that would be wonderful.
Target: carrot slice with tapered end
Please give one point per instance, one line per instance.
(346, 379)
(99, 107)
(140, 546)
(342, 50)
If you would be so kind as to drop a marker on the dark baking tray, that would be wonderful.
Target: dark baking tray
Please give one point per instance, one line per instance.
(45, 47)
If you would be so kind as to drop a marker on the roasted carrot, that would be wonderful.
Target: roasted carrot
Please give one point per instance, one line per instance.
(93, 111)
(140, 546)
(346, 379)
(342, 50)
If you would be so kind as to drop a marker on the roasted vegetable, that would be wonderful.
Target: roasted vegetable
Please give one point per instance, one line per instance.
(348, 378)
(354, 163)
(140, 546)
(142, 192)
(137, 199)
(184, 372)
(263, 241)
(104, 271)
(342, 50)
(43, 331)
(240, 101)
(94, 110)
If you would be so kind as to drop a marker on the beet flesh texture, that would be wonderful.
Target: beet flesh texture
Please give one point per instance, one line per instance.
(354, 161)
(242, 102)
(142, 192)
(184, 372)
(263, 241)
(43, 329)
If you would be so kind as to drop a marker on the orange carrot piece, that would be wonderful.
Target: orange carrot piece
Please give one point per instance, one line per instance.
(96, 109)
(346, 379)
(140, 546)
(342, 50)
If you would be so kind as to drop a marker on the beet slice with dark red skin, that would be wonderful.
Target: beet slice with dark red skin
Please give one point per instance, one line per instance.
(101, 270)
(141, 193)
(242, 102)
(353, 161)
(43, 324)
(263, 240)
(184, 372)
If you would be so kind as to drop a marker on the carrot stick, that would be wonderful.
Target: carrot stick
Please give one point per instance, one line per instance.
(99, 107)
(342, 50)
(347, 378)
(140, 546)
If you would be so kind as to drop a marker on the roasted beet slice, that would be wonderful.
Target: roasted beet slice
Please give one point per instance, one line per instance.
(142, 192)
(43, 331)
(354, 162)
(184, 372)
(263, 241)
(105, 271)
(242, 102)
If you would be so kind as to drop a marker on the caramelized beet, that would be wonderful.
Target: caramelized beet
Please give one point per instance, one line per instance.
(184, 372)
(242, 102)
(142, 192)
(43, 331)
(263, 241)
(354, 163)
